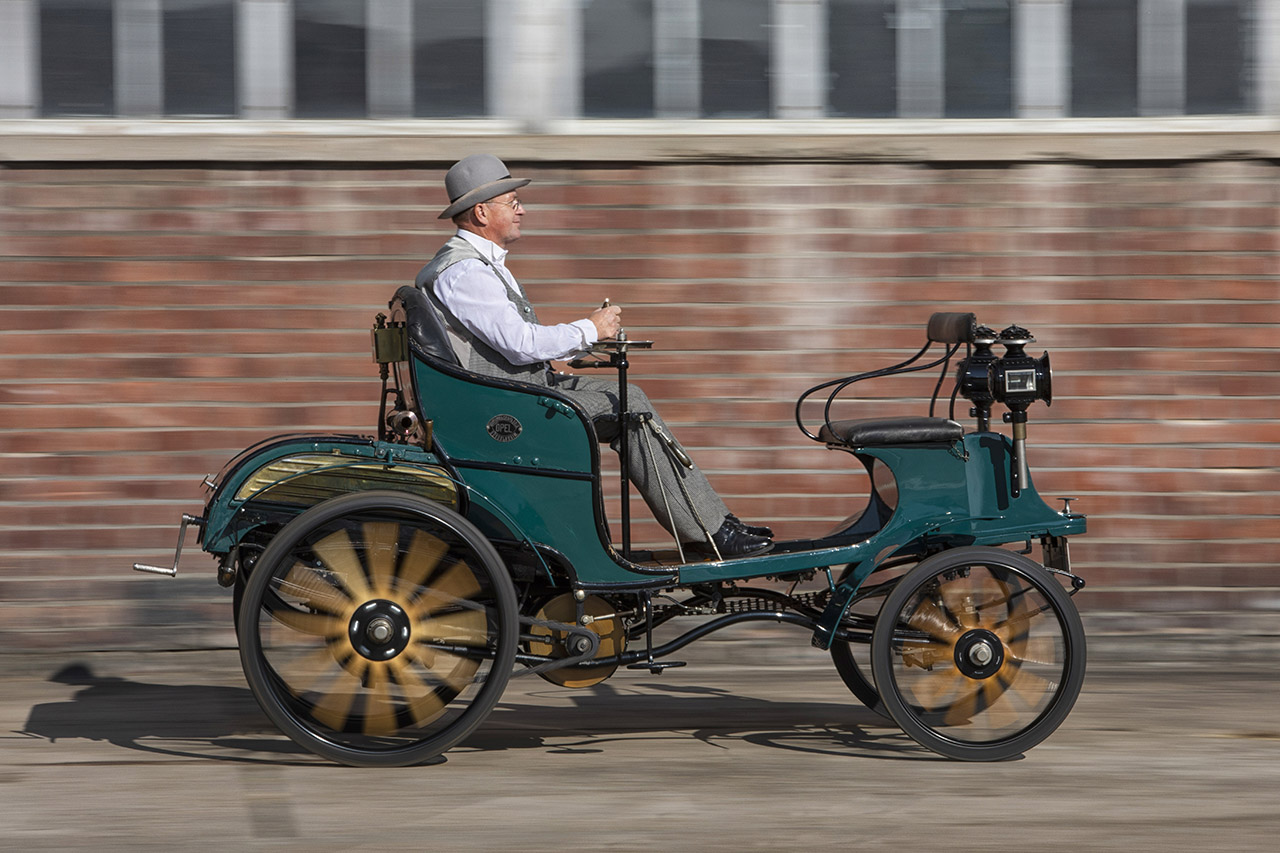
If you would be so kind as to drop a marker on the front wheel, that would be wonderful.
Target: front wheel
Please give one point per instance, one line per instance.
(378, 629)
(978, 653)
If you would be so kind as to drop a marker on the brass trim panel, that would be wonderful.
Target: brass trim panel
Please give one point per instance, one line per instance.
(309, 478)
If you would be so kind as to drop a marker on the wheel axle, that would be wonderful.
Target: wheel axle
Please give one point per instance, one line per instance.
(379, 630)
(979, 653)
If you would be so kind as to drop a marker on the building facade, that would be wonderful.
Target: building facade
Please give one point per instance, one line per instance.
(203, 203)
(534, 60)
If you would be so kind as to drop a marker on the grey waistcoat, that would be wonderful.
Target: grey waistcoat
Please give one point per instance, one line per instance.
(473, 353)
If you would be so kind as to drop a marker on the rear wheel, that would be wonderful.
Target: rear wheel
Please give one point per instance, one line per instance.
(978, 653)
(378, 629)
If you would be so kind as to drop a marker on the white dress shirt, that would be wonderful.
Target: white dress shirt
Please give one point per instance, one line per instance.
(473, 293)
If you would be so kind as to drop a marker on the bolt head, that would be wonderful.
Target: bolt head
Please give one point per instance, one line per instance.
(380, 630)
(981, 654)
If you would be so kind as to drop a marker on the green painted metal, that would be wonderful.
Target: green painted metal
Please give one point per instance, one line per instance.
(531, 455)
(470, 423)
(559, 513)
(956, 493)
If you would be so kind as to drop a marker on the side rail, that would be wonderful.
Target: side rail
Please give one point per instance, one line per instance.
(949, 329)
(1014, 379)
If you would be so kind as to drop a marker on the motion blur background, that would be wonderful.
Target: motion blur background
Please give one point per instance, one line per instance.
(203, 203)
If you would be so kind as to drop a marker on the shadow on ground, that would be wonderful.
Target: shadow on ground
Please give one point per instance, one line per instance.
(219, 723)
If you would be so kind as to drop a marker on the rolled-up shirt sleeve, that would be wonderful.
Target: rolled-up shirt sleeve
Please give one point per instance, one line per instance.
(473, 293)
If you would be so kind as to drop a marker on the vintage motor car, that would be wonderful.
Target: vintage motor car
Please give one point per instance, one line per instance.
(387, 587)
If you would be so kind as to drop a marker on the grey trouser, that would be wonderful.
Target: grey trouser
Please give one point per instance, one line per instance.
(688, 495)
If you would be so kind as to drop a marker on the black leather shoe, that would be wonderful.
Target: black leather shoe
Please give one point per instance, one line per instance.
(732, 541)
(754, 530)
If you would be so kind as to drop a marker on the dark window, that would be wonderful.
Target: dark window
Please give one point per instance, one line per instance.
(1104, 57)
(329, 59)
(862, 51)
(77, 64)
(1217, 55)
(199, 57)
(978, 49)
(617, 58)
(448, 58)
(735, 58)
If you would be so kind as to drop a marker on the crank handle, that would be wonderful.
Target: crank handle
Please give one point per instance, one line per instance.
(172, 571)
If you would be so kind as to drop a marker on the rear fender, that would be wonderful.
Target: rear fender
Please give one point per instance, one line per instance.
(277, 480)
(265, 490)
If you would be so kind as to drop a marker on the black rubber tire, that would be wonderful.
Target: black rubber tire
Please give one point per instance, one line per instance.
(935, 691)
(309, 648)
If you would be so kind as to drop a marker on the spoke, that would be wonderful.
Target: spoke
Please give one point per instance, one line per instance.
(970, 599)
(421, 559)
(461, 628)
(1021, 611)
(339, 557)
(311, 669)
(334, 708)
(380, 541)
(380, 710)
(1012, 592)
(939, 604)
(1030, 687)
(938, 685)
(1022, 622)
(965, 707)
(1038, 650)
(991, 613)
(305, 583)
(436, 661)
(1014, 632)
(931, 619)
(315, 624)
(958, 602)
(997, 703)
(455, 585)
(428, 705)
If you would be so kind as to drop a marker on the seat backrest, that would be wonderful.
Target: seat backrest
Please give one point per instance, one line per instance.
(948, 328)
(423, 324)
(480, 420)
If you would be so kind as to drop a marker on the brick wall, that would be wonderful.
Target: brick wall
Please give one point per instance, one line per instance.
(156, 320)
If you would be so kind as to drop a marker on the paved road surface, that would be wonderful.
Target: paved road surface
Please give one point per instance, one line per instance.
(748, 748)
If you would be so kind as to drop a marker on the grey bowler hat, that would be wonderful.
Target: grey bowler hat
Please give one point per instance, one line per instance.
(477, 178)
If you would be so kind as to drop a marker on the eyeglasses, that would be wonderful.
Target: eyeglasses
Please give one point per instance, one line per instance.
(514, 204)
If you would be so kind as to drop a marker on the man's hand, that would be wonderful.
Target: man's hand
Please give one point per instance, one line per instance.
(607, 321)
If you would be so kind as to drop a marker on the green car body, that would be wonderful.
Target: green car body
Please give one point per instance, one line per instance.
(536, 488)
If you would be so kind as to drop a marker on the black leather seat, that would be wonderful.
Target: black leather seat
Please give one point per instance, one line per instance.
(882, 432)
(423, 324)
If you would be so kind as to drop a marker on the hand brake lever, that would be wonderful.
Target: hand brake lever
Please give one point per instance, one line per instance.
(581, 363)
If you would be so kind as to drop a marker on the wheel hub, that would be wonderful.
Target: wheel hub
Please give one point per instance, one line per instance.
(379, 630)
(979, 653)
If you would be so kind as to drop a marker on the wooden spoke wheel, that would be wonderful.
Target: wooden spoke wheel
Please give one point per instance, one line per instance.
(978, 653)
(378, 629)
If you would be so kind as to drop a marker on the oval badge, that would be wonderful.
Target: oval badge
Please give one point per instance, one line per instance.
(504, 428)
